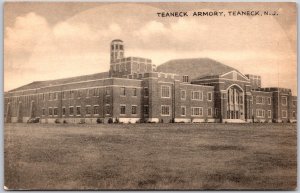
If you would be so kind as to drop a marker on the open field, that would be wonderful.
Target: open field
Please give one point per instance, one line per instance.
(150, 156)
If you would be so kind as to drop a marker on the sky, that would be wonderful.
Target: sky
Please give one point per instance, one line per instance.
(44, 41)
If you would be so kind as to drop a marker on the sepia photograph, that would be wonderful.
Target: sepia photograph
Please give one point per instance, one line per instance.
(150, 96)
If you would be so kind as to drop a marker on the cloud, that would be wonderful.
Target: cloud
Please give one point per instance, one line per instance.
(35, 50)
(26, 32)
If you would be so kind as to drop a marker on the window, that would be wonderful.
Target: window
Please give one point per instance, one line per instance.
(71, 110)
(146, 109)
(55, 111)
(269, 100)
(216, 112)
(122, 109)
(107, 109)
(165, 110)
(55, 96)
(78, 111)
(284, 101)
(134, 110)
(183, 94)
(88, 109)
(146, 92)
(71, 94)
(224, 96)
(260, 113)
(44, 98)
(259, 100)
(134, 90)
(43, 112)
(269, 114)
(63, 95)
(96, 110)
(165, 91)
(294, 103)
(50, 96)
(107, 91)
(123, 92)
(197, 111)
(79, 94)
(49, 111)
(284, 114)
(86, 92)
(63, 111)
(183, 111)
(209, 96)
(96, 92)
(294, 114)
(209, 112)
(185, 78)
(197, 95)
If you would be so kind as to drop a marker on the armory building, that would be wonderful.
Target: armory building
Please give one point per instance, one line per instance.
(134, 90)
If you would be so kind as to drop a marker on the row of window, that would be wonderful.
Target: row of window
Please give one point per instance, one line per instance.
(53, 111)
(195, 111)
(263, 100)
(165, 110)
(260, 113)
(117, 46)
(196, 95)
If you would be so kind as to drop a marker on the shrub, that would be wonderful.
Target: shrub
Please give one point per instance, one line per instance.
(57, 121)
(65, 122)
(288, 121)
(99, 120)
(82, 121)
(172, 120)
(110, 120)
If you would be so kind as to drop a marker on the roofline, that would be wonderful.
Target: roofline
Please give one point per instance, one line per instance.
(72, 83)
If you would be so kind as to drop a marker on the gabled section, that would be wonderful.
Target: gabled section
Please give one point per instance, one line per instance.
(234, 75)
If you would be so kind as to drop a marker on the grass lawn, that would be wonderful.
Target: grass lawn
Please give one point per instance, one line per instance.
(150, 156)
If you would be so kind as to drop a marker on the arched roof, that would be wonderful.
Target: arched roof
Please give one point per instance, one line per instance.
(195, 68)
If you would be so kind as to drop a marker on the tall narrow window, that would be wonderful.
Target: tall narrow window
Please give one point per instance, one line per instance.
(134, 92)
(284, 114)
(107, 91)
(209, 96)
(269, 100)
(78, 112)
(63, 111)
(165, 91)
(284, 101)
(209, 112)
(134, 110)
(50, 111)
(146, 92)
(71, 94)
(123, 91)
(88, 109)
(107, 109)
(71, 110)
(122, 109)
(183, 111)
(165, 110)
(55, 110)
(96, 110)
(183, 94)
(146, 109)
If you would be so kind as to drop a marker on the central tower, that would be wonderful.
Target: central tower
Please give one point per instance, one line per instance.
(116, 50)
